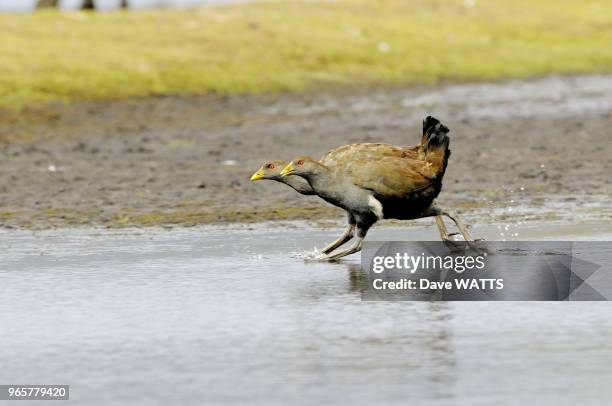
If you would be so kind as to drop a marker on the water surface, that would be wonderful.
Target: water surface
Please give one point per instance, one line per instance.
(219, 315)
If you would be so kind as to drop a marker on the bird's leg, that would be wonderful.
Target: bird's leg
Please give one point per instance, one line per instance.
(442, 228)
(462, 228)
(439, 212)
(363, 225)
(348, 234)
(355, 248)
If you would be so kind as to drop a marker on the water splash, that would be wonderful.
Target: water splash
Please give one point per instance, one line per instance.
(314, 255)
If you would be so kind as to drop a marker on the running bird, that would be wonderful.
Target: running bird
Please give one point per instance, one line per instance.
(271, 170)
(377, 186)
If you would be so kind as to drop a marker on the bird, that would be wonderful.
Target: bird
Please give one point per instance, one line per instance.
(378, 186)
(271, 170)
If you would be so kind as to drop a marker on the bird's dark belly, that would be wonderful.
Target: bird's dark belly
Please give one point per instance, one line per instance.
(401, 209)
(409, 207)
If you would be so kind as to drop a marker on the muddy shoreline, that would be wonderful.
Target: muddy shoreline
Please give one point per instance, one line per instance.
(522, 150)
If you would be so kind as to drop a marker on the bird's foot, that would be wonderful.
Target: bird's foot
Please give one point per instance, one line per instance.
(315, 257)
(330, 258)
(325, 258)
(480, 249)
(450, 237)
(321, 258)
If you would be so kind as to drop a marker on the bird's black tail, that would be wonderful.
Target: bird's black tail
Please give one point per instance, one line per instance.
(434, 147)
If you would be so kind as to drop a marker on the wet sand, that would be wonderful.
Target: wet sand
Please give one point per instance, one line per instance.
(522, 151)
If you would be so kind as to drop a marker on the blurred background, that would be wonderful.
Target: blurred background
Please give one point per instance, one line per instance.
(158, 115)
(101, 5)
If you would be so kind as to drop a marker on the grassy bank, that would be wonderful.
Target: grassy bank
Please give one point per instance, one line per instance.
(295, 46)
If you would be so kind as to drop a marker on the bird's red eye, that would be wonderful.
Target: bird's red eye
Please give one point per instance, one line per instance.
(270, 166)
(300, 162)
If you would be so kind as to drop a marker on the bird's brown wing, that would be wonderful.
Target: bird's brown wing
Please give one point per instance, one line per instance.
(346, 153)
(390, 177)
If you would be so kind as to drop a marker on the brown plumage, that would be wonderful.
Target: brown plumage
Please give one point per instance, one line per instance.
(369, 150)
(381, 186)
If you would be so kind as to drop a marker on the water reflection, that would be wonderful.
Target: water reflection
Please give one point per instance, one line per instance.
(406, 341)
(356, 277)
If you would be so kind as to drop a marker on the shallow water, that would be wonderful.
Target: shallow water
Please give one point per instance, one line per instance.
(544, 97)
(230, 315)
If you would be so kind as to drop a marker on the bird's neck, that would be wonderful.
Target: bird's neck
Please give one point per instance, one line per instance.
(298, 184)
(321, 183)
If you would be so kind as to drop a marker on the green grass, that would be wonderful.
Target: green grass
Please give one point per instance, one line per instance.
(295, 46)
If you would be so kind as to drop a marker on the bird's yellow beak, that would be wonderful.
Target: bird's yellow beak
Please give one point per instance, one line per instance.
(288, 170)
(259, 175)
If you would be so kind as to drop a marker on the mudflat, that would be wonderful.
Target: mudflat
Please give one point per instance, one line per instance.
(525, 150)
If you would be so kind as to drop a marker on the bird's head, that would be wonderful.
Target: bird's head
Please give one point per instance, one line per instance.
(301, 166)
(269, 170)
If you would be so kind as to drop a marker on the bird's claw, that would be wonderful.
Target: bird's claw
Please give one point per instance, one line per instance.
(321, 257)
(330, 258)
(449, 237)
